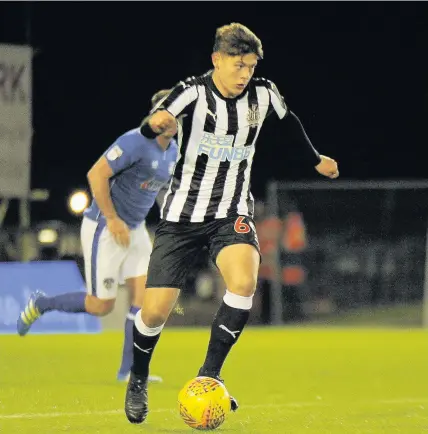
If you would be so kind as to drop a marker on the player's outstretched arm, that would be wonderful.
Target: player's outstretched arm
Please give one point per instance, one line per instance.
(296, 135)
(325, 166)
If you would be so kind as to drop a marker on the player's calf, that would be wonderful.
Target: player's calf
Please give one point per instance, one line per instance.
(145, 340)
(149, 322)
(71, 302)
(157, 305)
(238, 265)
(226, 329)
(39, 303)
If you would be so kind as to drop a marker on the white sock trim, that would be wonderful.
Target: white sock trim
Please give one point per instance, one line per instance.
(143, 329)
(238, 301)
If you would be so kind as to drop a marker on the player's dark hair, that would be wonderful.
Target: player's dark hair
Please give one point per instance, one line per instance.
(159, 95)
(235, 39)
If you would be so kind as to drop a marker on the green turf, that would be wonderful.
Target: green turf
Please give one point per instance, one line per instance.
(291, 380)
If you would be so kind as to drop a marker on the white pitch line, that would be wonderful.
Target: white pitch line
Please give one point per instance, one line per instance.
(57, 414)
(157, 410)
(172, 410)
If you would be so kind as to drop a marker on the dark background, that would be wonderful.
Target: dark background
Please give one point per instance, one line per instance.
(355, 73)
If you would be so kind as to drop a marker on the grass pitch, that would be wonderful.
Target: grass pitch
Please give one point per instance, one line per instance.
(289, 380)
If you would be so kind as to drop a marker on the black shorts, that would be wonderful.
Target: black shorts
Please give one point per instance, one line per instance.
(176, 245)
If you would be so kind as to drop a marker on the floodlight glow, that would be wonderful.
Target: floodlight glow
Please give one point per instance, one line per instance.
(78, 202)
(47, 236)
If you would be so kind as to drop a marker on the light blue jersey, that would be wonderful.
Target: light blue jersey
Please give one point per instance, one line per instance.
(141, 168)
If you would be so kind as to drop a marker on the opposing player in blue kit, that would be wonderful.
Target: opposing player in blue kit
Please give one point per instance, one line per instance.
(124, 182)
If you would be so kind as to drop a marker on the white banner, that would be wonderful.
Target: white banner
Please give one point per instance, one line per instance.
(15, 120)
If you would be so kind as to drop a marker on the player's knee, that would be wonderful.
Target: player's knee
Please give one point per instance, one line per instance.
(154, 318)
(101, 307)
(243, 285)
(157, 305)
(155, 315)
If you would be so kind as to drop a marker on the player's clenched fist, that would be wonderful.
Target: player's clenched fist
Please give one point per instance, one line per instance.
(162, 121)
(327, 167)
(120, 231)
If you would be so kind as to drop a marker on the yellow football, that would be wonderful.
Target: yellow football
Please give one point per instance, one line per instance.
(204, 403)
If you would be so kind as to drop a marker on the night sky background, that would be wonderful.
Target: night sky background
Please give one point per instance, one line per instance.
(355, 73)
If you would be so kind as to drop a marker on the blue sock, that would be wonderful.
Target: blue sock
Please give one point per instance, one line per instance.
(73, 302)
(128, 352)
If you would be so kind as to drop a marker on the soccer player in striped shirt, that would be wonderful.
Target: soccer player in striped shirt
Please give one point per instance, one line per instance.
(209, 202)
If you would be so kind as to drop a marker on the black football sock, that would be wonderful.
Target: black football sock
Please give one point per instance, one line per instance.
(143, 346)
(226, 328)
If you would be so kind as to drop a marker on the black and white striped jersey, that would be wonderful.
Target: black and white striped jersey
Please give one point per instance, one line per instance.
(217, 138)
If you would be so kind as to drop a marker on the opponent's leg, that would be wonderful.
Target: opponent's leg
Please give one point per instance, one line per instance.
(103, 258)
(71, 302)
(135, 286)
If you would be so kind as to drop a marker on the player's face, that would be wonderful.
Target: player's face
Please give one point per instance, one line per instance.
(232, 73)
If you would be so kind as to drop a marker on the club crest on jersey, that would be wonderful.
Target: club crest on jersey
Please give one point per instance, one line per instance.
(253, 115)
(108, 283)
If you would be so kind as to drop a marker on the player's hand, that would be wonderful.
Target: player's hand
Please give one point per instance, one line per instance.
(162, 121)
(120, 231)
(327, 167)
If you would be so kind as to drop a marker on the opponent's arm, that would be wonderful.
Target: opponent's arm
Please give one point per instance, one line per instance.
(98, 178)
(117, 158)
